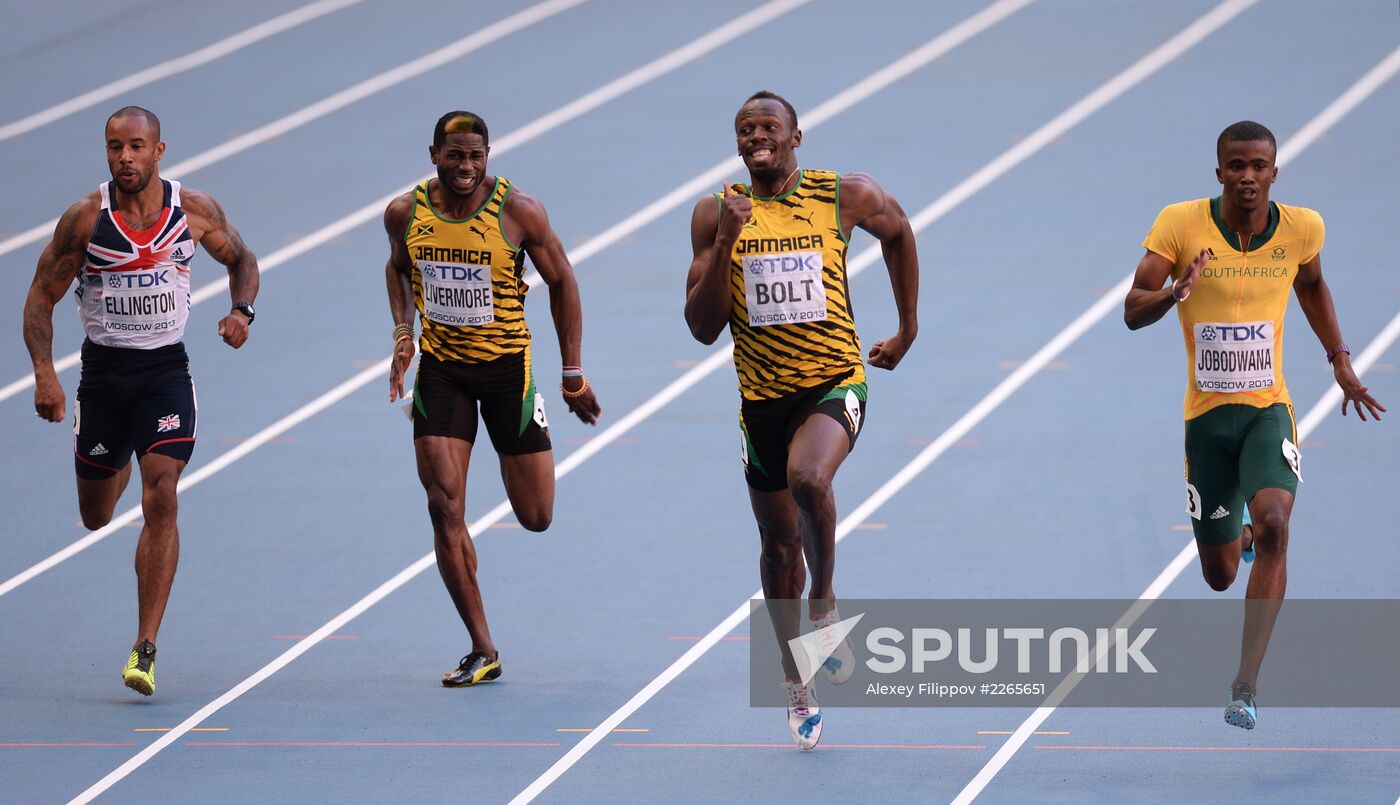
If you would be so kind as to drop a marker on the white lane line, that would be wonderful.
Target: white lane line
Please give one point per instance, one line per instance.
(577, 256)
(1305, 137)
(670, 392)
(503, 145)
(364, 89)
(175, 66)
(1046, 134)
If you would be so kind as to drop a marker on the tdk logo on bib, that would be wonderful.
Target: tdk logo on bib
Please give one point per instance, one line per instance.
(138, 279)
(1237, 332)
(769, 264)
(462, 273)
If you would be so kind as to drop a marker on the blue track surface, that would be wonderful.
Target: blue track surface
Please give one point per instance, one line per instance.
(1070, 488)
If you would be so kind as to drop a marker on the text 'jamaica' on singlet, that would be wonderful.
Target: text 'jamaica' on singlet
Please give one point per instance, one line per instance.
(467, 281)
(1232, 322)
(134, 291)
(791, 319)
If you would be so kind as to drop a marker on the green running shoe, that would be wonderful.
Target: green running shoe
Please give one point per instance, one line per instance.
(140, 673)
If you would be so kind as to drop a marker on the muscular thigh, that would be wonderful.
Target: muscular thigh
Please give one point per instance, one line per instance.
(768, 428)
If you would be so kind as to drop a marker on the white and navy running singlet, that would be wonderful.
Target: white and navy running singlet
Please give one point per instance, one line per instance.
(134, 291)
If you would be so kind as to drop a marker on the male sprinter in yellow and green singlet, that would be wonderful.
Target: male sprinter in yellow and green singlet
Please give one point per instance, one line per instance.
(1232, 260)
(770, 263)
(457, 248)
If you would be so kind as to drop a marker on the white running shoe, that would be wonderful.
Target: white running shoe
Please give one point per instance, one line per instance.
(804, 716)
(840, 660)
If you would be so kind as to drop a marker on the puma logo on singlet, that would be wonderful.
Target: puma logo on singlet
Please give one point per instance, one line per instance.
(481, 233)
(807, 220)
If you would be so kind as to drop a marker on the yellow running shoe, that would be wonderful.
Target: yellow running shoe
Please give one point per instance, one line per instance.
(473, 669)
(140, 673)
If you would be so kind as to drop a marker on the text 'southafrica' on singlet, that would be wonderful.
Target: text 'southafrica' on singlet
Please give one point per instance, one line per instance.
(134, 291)
(1233, 320)
(791, 320)
(467, 281)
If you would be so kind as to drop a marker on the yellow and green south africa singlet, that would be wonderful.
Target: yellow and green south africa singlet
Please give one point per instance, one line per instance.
(467, 281)
(1233, 320)
(792, 321)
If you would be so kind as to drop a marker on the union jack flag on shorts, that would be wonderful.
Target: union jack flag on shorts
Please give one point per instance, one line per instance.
(168, 423)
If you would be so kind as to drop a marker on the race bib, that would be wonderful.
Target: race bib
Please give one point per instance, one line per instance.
(784, 288)
(1232, 357)
(140, 302)
(457, 294)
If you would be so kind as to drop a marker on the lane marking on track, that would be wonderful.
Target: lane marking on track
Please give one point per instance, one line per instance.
(175, 66)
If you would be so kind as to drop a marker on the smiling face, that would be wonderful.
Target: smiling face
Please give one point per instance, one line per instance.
(767, 138)
(1246, 172)
(133, 151)
(460, 162)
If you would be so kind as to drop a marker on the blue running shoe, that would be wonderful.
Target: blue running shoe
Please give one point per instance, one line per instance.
(1247, 554)
(1241, 711)
(804, 716)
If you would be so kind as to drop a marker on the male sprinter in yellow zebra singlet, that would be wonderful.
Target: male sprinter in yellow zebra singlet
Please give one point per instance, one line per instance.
(1232, 260)
(457, 247)
(770, 263)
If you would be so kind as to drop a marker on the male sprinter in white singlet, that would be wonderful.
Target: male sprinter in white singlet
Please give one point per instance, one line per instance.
(129, 244)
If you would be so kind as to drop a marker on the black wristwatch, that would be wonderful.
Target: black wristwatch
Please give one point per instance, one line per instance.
(246, 309)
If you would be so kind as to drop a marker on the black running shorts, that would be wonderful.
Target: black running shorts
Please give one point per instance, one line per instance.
(768, 426)
(446, 395)
(129, 400)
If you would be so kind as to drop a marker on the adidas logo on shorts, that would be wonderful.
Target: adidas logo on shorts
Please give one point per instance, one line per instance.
(99, 450)
(1220, 511)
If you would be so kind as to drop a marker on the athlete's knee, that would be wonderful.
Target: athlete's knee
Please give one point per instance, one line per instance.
(536, 518)
(1218, 578)
(809, 486)
(159, 499)
(93, 520)
(445, 507)
(1217, 568)
(779, 552)
(1271, 531)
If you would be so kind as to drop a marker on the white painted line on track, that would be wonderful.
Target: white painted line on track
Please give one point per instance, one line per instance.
(1299, 142)
(1046, 134)
(503, 145)
(332, 103)
(166, 69)
(375, 209)
(988, 17)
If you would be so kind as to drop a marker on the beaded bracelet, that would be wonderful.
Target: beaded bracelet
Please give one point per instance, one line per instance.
(573, 395)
